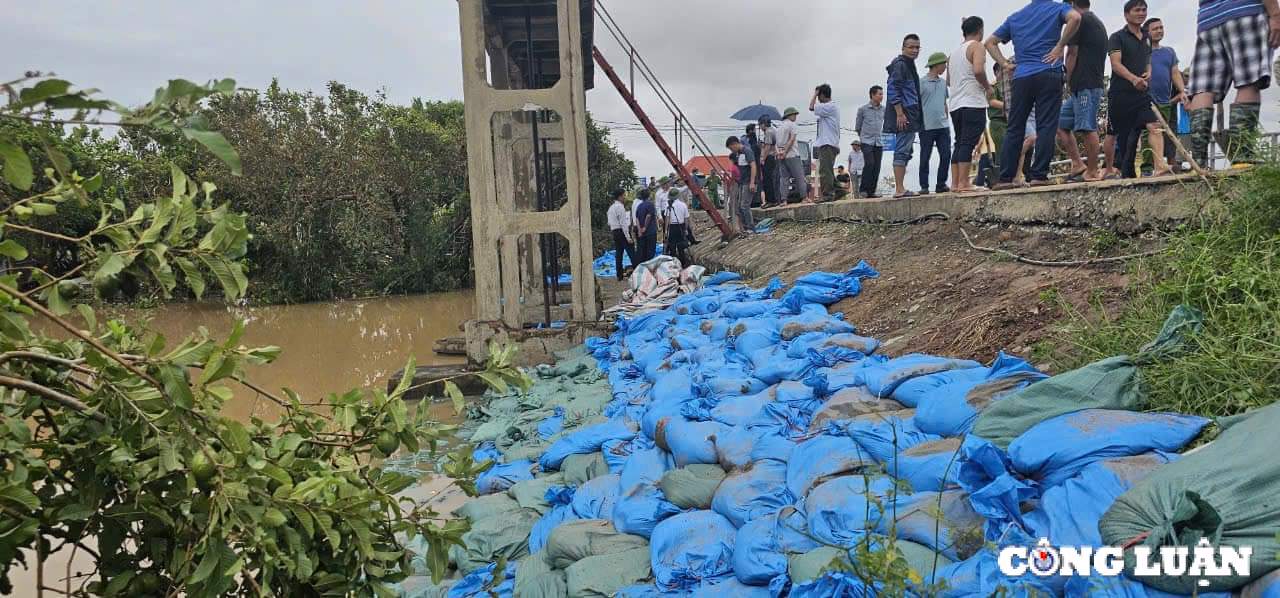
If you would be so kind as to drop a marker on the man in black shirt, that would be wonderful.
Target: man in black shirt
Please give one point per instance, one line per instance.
(1086, 63)
(1129, 101)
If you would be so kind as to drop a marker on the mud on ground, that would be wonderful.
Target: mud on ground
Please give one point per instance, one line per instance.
(935, 294)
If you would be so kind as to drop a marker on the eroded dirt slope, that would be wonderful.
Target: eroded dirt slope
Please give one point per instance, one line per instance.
(935, 294)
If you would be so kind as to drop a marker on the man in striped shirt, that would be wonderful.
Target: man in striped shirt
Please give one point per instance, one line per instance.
(1234, 47)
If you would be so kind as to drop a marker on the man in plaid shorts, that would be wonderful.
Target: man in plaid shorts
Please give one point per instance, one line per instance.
(1233, 48)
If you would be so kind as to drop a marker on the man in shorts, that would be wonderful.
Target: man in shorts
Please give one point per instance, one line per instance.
(1234, 46)
(1086, 64)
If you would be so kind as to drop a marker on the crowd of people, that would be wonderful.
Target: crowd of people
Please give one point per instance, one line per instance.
(1009, 119)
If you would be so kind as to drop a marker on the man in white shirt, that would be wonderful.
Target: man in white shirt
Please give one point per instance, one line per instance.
(620, 225)
(790, 168)
(857, 162)
(769, 162)
(661, 199)
(677, 229)
(827, 144)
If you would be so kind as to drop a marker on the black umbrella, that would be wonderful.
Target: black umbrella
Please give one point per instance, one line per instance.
(753, 113)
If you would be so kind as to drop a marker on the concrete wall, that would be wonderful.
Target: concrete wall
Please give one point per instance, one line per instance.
(1124, 206)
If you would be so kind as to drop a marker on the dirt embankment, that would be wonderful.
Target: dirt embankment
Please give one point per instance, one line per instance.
(935, 294)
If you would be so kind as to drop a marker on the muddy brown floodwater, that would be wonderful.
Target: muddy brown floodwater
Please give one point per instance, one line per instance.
(327, 348)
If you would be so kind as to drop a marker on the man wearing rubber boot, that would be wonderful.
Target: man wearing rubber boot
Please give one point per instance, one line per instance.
(1233, 48)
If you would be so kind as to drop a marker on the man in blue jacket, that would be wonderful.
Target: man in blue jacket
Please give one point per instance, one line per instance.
(905, 117)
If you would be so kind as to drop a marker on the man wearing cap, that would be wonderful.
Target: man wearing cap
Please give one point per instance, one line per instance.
(936, 133)
(788, 152)
(768, 161)
(870, 131)
(828, 140)
(857, 163)
(905, 117)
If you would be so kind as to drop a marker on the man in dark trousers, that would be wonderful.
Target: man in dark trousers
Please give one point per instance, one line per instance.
(870, 129)
(646, 227)
(678, 237)
(769, 162)
(905, 118)
(620, 226)
(1039, 32)
(1129, 100)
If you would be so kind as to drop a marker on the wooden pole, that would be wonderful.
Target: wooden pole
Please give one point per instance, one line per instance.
(1178, 144)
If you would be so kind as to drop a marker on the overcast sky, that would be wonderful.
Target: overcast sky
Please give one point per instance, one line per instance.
(713, 56)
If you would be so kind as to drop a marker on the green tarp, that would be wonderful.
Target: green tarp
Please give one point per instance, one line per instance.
(1108, 384)
(1227, 492)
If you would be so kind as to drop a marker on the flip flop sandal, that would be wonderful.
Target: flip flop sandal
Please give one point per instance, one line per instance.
(905, 194)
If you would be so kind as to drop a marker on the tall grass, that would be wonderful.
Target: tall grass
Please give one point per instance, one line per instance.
(1227, 264)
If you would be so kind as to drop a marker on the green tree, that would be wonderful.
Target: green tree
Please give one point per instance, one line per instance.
(110, 431)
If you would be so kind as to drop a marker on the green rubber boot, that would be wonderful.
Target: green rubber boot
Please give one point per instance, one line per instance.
(1242, 137)
(1201, 135)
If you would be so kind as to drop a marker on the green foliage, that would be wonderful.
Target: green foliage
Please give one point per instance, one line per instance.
(348, 195)
(1228, 266)
(110, 432)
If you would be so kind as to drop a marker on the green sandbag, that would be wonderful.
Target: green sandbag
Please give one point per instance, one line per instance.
(580, 469)
(921, 558)
(1108, 384)
(602, 576)
(577, 540)
(1225, 492)
(532, 494)
(804, 568)
(486, 507)
(692, 486)
(536, 579)
(491, 538)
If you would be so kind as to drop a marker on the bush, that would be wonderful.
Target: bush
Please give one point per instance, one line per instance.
(1227, 264)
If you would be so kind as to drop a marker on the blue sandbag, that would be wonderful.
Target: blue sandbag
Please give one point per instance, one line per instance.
(673, 385)
(716, 329)
(928, 467)
(585, 441)
(645, 466)
(827, 288)
(980, 575)
(639, 511)
(1069, 512)
(552, 425)
(499, 478)
(691, 548)
(883, 378)
(748, 343)
(749, 309)
(994, 490)
(1056, 449)
(828, 381)
(839, 512)
(476, 583)
(656, 413)
(616, 452)
(834, 585)
(486, 451)
(812, 318)
(739, 411)
(597, 498)
(824, 456)
(757, 492)
(944, 522)
(734, 445)
(763, 545)
(729, 588)
(689, 442)
(916, 390)
(886, 435)
(772, 447)
(720, 278)
(952, 409)
(688, 341)
(779, 367)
